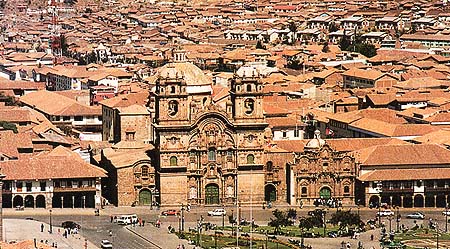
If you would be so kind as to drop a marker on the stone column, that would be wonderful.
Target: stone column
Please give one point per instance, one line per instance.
(62, 201)
(401, 201)
(434, 196)
(413, 200)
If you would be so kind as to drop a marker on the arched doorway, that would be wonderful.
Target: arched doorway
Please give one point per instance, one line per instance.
(270, 193)
(18, 201)
(407, 201)
(374, 201)
(40, 201)
(325, 193)
(429, 200)
(396, 200)
(29, 201)
(211, 194)
(441, 200)
(145, 197)
(418, 201)
(67, 201)
(386, 199)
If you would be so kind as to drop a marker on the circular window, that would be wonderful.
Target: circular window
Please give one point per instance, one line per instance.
(173, 108)
(249, 105)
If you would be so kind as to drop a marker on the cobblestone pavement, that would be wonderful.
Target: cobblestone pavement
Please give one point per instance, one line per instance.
(21, 229)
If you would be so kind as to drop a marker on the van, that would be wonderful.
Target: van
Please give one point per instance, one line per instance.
(127, 219)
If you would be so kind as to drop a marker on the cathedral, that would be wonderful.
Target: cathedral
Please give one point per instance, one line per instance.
(210, 150)
(208, 146)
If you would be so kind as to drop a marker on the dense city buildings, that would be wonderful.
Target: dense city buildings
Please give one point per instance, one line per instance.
(224, 103)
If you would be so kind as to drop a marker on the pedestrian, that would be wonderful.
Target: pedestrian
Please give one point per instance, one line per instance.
(42, 228)
(371, 237)
(111, 217)
(110, 233)
(158, 223)
(182, 247)
(143, 222)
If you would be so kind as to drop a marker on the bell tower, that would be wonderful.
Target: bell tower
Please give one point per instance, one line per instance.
(246, 96)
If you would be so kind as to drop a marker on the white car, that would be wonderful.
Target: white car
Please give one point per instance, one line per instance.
(386, 212)
(106, 244)
(217, 212)
(446, 213)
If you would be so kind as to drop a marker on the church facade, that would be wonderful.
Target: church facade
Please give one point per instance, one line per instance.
(321, 173)
(209, 152)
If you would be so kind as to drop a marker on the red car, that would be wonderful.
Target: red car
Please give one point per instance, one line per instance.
(170, 212)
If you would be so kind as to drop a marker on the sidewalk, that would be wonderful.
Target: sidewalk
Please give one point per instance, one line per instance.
(19, 230)
(159, 236)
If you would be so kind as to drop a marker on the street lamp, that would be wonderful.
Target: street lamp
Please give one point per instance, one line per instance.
(51, 227)
(398, 218)
(324, 213)
(446, 215)
(182, 217)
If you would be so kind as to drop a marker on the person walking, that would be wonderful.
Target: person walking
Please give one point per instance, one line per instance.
(42, 228)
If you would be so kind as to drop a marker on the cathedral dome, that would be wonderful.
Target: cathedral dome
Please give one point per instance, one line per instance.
(316, 142)
(190, 73)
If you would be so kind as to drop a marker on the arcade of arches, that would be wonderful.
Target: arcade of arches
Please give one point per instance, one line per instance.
(409, 201)
(55, 200)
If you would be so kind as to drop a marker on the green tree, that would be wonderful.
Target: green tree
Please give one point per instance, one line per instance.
(8, 126)
(260, 45)
(281, 219)
(346, 219)
(333, 27)
(292, 213)
(366, 49)
(326, 47)
(345, 42)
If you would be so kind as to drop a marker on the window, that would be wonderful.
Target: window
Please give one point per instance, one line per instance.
(269, 166)
(66, 118)
(172, 89)
(249, 88)
(249, 105)
(78, 118)
(211, 155)
(374, 185)
(284, 134)
(296, 133)
(173, 161)
(19, 186)
(144, 171)
(250, 159)
(28, 186)
(56, 184)
(173, 108)
(42, 185)
(304, 191)
(419, 184)
(346, 189)
(129, 135)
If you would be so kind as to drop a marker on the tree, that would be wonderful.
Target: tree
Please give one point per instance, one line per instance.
(366, 49)
(260, 45)
(64, 46)
(292, 213)
(281, 219)
(345, 42)
(333, 27)
(326, 47)
(345, 219)
(8, 126)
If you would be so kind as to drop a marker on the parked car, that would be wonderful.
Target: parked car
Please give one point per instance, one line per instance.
(416, 215)
(170, 212)
(106, 244)
(448, 212)
(332, 234)
(386, 212)
(127, 219)
(70, 224)
(217, 212)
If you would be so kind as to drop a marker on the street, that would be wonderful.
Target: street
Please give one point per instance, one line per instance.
(96, 228)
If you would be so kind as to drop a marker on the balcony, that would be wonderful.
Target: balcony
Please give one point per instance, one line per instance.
(437, 189)
(397, 190)
(72, 189)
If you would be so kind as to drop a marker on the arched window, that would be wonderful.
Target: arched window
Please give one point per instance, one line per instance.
(172, 89)
(173, 161)
(250, 159)
(249, 88)
(304, 191)
(346, 189)
(269, 166)
(144, 170)
(211, 154)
